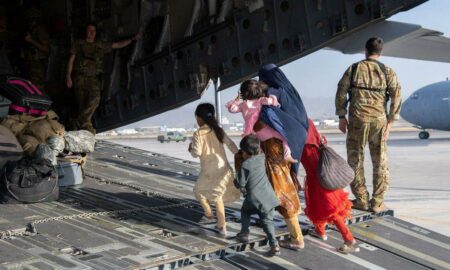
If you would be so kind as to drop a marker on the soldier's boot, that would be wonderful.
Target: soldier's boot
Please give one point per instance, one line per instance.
(362, 198)
(377, 207)
(359, 204)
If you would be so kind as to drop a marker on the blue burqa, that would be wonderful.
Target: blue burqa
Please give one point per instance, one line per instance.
(290, 119)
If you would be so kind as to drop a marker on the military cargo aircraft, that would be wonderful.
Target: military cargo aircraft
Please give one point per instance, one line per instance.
(429, 108)
(135, 209)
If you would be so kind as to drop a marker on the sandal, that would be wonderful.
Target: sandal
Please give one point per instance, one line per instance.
(207, 220)
(316, 234)
(289, 245)
(346, 249)
(222, 231)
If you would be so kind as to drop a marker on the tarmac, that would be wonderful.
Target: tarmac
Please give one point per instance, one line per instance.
(420, 176)
(136, 210)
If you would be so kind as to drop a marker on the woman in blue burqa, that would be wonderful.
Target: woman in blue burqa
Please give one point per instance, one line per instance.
(291, 121)
(322, 206)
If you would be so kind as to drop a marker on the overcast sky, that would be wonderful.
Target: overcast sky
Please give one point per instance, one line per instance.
(317, 74)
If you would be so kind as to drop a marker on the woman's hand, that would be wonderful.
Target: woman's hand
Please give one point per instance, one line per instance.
(238, 96)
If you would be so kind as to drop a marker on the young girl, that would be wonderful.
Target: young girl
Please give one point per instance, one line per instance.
(215, 181)
(253, 99)
(324, 206)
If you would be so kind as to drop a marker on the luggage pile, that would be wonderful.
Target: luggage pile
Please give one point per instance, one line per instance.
(37, 154)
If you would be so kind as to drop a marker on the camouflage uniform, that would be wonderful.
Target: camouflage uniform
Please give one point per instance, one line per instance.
(368, 119)
(36, 60)
(88, 67)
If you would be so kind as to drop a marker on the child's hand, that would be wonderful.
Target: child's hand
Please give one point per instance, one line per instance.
(190, 147)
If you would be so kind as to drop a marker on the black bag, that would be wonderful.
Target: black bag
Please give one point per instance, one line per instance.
(10, 149)
(28, 181)
(25, 97)
(334, 171)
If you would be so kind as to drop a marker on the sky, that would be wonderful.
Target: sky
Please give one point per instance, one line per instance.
(316, 75)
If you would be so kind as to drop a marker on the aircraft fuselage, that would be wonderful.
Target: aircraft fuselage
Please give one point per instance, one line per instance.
(429, 107)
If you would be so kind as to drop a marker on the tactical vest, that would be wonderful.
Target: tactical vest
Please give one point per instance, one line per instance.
(89, 58)
(354, 87)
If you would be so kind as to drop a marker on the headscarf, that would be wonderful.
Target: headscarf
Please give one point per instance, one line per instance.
(291, 119)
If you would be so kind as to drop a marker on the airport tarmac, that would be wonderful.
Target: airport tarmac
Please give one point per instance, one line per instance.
(420, 173)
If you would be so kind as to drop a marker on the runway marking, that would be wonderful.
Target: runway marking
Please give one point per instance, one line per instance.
(350, 257)
(411, 233)
(403, 248)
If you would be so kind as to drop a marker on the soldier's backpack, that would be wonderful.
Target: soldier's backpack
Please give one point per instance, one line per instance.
(25, 97)
(10, 149)
(352, 79)
(28, 181)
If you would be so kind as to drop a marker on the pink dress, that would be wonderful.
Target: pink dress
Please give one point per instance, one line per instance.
(251, 110)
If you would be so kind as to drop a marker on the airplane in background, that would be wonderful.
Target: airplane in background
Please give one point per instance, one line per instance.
(429, 108)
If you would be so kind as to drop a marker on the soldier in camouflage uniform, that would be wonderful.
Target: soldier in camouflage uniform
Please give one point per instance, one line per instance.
(37, 50)
(369, 84)
(86, 58)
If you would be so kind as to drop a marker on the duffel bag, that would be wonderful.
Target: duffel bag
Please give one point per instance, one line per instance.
(28, 181)
(10, 149)
(334, 171)
(80, 141)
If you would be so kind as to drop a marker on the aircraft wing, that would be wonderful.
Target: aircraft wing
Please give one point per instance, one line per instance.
(401, 40)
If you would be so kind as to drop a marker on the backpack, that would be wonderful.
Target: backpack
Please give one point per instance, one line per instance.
(352, 79)
(25, 97)
(10, 149)
(28, 181)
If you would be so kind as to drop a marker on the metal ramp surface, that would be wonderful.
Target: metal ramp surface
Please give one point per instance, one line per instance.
(136, 210)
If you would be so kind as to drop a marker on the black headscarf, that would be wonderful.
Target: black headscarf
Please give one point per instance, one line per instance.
(291, 119)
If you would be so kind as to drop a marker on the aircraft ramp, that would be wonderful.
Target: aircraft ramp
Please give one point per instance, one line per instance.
(136, 210)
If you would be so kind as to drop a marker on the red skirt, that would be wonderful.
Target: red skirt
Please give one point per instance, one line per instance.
(322, 205)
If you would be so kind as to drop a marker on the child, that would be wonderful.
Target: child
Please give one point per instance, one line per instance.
(259, 195)
(215, 181)
(253, 99)
(324, 206)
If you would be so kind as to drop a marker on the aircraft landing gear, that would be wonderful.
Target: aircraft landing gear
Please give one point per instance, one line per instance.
(423, 135)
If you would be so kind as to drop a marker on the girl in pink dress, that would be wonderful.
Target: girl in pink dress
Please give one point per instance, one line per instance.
(253, 98)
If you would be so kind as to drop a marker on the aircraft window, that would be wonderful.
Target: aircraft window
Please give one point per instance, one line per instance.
(415, 96)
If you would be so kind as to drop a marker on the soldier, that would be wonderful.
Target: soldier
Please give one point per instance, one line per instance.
(88, 55)
(37, 49)
(369, 84)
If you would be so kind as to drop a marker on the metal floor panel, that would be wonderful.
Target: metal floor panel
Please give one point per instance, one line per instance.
(386, 234)
(136, 210)
(369, 256)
